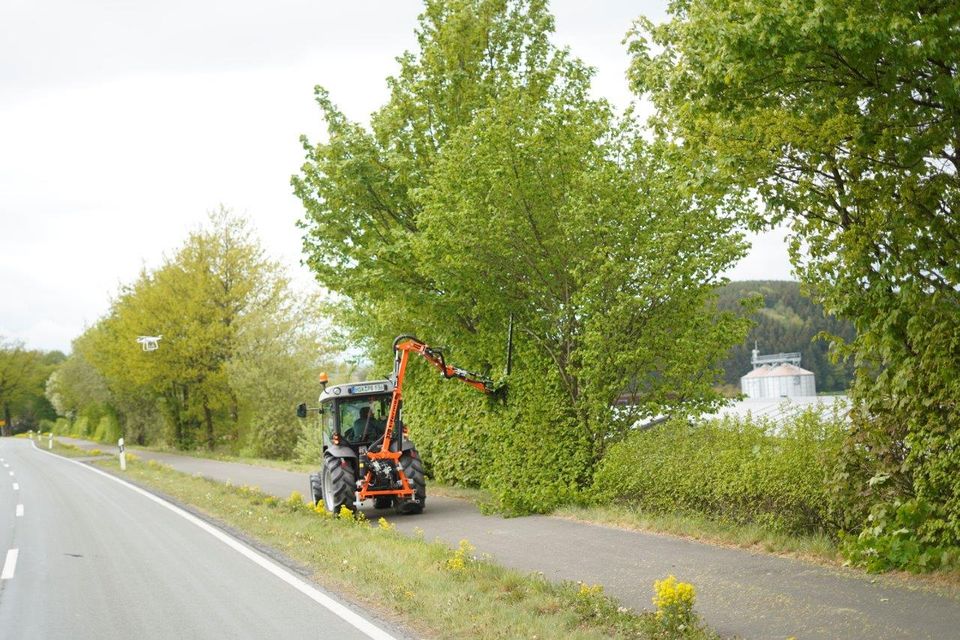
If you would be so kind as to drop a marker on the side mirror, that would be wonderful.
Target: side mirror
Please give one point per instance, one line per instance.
(302, 410)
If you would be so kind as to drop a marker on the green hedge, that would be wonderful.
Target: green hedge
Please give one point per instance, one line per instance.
(733, 470)
(529, 453)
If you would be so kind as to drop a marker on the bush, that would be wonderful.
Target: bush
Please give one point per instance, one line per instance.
(81, 428)
(108, 430)
(309, 449)
(897, 536)
(61, 427)
(530, 453)
(730, 469)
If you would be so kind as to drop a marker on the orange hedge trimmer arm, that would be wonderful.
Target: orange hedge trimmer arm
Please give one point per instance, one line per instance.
(402, 347)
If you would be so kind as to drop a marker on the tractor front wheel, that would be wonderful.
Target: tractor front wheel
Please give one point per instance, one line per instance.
(339, 484)
(316, 488)
(413, 469)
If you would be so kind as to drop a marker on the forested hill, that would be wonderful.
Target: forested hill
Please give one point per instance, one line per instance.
(788, 321)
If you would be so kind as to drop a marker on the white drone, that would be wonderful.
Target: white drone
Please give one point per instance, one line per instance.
(149, 343)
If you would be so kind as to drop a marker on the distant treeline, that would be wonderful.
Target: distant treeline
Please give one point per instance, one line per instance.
(787, 321)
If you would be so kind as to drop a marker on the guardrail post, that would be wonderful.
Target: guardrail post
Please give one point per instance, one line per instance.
(123, 456)
(50, 442)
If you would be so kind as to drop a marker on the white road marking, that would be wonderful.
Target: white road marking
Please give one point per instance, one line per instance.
(341, 611)
(11, 473)
(16, 486)
(6, 466)
(10, 565)
(19, 510)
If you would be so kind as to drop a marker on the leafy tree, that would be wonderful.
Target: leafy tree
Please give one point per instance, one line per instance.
(845, 117)
(236, 353)
(491, 186)
(22, 376)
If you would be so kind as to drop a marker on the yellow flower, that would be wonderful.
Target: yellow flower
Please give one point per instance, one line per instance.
(674, 601)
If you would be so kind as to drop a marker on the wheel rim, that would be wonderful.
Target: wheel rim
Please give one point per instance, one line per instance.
(329, 499)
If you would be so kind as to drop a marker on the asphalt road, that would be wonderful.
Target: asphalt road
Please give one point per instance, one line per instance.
(87, 557)
(741, 593)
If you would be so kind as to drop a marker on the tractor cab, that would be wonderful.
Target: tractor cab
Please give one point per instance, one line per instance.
(355, 414)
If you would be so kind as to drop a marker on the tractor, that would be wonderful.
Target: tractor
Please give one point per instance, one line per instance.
(366, 449)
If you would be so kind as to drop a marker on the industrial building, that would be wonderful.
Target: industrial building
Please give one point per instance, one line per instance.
(777, 376)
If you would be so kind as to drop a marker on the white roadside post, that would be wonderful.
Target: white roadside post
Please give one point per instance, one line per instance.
(50, 441)
(123, 456)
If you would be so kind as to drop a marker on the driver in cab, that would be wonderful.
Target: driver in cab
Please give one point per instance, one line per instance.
(366, 427)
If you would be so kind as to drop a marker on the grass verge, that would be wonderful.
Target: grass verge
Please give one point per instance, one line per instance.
(436, 591)
(69, 450)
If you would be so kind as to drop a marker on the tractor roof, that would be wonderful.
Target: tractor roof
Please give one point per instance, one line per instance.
(351, 389)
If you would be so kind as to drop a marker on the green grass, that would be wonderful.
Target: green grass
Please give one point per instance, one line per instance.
(433, 590)
(67, 450)
(747, 536)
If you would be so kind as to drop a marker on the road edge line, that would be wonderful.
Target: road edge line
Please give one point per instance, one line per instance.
(10, 564)
(338, 609)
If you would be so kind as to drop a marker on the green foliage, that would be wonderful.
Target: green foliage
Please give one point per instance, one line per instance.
(61, 427)
(238, 351)
(81, 428)
(741, 471)
(592, 239)
(787, 321)
(22, 377)
(531, 454)
(845, 116)
(898, 536)
(107, 430)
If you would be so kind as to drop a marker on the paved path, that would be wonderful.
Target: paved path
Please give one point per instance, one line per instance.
(740, 593)
(84, 556)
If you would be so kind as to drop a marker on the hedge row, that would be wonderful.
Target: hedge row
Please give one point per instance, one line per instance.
(736, 470)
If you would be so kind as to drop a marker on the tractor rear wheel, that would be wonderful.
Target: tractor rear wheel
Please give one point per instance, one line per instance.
(413, 469)
(339, 484)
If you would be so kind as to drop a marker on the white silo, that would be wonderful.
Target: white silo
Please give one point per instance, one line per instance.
(778, 376)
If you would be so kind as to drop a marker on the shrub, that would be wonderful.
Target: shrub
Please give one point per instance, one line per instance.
(530, 454)
(737, 470)
(107, 430)
(897, 536)
(295, 501)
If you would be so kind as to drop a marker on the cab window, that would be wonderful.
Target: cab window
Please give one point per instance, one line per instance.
(326, 421)
(363, 419)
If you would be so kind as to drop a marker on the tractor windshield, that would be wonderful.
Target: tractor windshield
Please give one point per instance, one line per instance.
(363, 419)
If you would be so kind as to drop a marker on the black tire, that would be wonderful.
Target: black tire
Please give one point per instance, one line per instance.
(316, 488)
(339, 484)
(413, 469)
(382, 503)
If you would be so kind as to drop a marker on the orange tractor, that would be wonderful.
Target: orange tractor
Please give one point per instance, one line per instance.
(366, 450)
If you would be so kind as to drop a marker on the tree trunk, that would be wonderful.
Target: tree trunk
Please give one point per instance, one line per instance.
(208, 418)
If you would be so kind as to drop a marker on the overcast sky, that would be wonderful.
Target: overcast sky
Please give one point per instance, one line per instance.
(123, 122)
